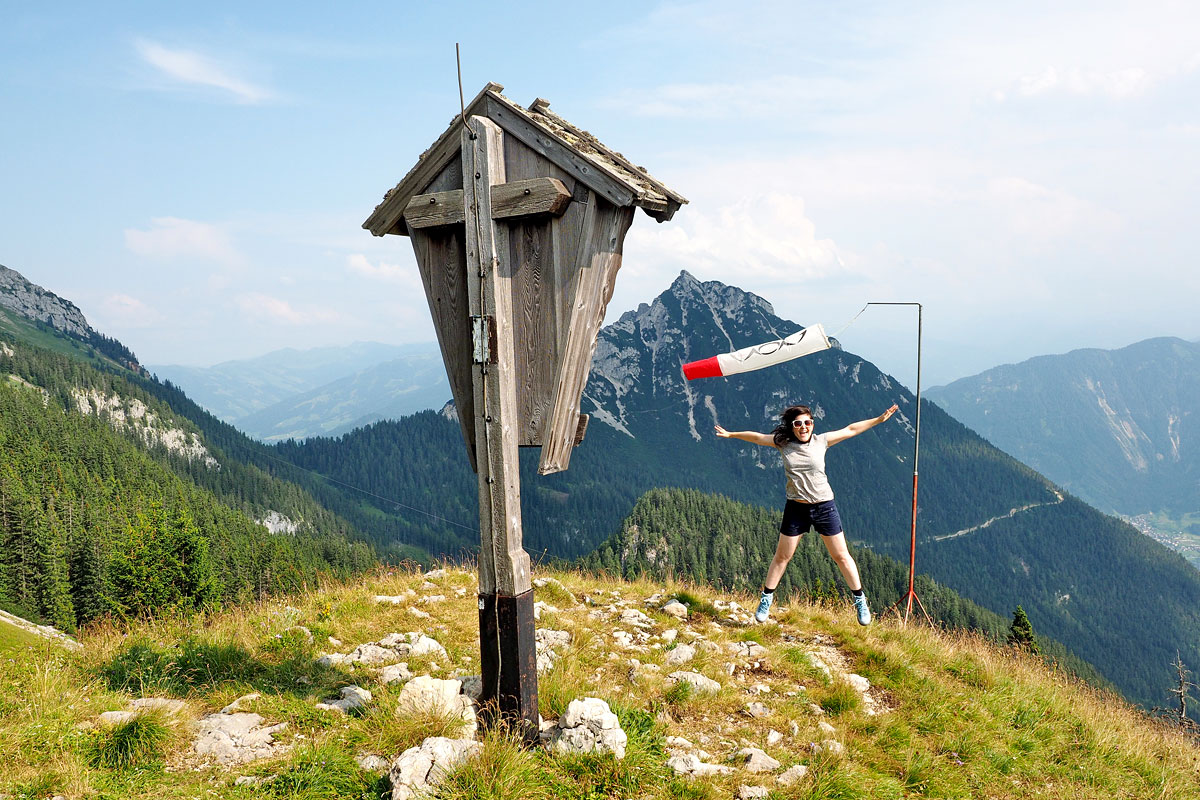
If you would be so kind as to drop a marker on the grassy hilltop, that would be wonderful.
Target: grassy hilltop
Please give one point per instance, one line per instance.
(956, 717)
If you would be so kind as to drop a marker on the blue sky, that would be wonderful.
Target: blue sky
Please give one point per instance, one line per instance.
(195, 176)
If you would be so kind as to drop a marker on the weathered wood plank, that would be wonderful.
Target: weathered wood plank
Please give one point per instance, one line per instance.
(599, 261)
(534, 334)
(568, 158)
(432, 210)
(441, 257)
(527, 198)
(530, 197)
(568, 237)
(504, 566)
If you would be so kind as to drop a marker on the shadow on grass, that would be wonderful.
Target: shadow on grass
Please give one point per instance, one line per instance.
(197, 667)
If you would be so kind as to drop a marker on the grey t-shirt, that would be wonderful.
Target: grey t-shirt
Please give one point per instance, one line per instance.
(804, 466)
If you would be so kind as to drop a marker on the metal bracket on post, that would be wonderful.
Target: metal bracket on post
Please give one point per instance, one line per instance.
(483, 339)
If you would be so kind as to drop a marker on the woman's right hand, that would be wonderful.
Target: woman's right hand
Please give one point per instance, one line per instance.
(724, 434)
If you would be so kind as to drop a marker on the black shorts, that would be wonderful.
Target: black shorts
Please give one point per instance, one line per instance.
(799, 517)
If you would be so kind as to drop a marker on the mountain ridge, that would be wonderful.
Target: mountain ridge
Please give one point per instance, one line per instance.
(1120, 428)
(652, 429)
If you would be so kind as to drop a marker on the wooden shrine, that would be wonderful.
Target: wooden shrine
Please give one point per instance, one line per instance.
(517, 219)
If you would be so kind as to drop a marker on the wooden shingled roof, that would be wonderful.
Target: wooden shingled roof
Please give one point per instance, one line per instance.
(572, 149)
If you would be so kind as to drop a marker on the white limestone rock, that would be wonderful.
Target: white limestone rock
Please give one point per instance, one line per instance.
(371, 762)
(395, 673)
(394, 599)
(540, 608)
(428, 695)
(748, 650)
(676, 609)
(699, 682)
(420, 769)
(691, 765)
(681, 654)
(331, 659)
(166, 705)
(631, 616)
(238, 738)
(831, 746)
(352, 697)
(547, 643)
(792, 775)
(755, 760)
(757, 710)
(752, 792)
(372, 655)
(588, 726)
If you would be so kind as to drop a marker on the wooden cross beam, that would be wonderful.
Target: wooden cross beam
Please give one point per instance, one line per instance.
(529, 198)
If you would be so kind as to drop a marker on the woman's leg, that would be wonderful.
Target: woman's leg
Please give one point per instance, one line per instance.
(784, 550)
(836, 545)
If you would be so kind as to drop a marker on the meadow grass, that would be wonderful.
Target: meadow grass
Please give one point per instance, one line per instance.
(962, 717)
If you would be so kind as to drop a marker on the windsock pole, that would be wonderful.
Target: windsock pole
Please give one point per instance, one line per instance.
(910, 596)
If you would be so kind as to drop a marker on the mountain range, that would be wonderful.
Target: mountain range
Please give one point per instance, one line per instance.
(323, 391)
(1119, 428)
(990, 527)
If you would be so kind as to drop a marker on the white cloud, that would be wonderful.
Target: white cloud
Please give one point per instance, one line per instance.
(121, 310)
(189, 67)
(1117, 84)
(359, 264)
(768, 236)
(1038, 212)
(779, 95)
(262, 306)
(172, 237)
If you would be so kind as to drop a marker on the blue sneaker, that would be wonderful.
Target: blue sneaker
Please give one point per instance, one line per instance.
(864, 612)
(764, 606)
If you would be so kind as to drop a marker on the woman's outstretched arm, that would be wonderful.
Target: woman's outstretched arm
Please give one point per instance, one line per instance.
(765, 439)
(855, 428)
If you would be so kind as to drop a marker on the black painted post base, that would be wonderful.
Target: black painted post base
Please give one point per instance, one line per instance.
(508, 660)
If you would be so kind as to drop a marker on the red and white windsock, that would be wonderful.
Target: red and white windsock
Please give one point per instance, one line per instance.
(801, 343)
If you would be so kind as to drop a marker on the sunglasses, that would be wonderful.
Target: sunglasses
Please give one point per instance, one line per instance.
(799, 423)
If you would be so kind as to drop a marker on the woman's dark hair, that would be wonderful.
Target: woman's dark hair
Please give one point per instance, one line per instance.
(783, 432)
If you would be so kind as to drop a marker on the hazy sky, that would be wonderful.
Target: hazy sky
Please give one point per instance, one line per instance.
(195, 176)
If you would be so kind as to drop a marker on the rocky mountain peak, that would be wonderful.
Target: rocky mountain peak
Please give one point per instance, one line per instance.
(33, 302)
(720, 296)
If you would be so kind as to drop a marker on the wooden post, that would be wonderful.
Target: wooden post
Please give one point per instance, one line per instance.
(508, 654)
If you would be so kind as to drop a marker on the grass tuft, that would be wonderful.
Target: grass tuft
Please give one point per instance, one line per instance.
(138, 742)
(838, 698)
(323, 772)
(697, 605)
(504, 770)
(192, 666)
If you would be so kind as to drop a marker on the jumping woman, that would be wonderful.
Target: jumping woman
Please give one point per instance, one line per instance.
(809, 497)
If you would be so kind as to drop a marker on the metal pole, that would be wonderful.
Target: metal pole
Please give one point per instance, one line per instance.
(911, 595)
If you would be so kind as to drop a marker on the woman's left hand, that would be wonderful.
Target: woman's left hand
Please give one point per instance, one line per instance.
(885, 416)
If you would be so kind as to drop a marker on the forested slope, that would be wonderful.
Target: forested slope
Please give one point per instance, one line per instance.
(684, 534)
(99, 512)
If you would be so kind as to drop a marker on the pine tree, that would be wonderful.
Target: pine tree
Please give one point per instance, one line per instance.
(1020, 633)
